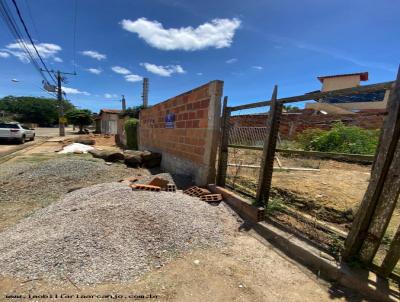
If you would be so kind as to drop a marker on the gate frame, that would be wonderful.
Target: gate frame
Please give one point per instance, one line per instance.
(372, 219)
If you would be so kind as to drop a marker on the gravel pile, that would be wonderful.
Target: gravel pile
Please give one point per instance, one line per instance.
(46, 181)
(108, 232)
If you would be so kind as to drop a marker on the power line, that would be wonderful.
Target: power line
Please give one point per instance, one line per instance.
(32, 20)
(15, 32)
(30, 39)
(74, 39)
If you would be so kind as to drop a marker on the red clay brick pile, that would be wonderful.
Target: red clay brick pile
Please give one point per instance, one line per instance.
(155, 185)
(203, 194)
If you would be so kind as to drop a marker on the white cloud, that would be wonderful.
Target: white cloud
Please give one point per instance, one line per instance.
(258, 67)
(218, 33)
(4, 54)
(95, 70)
(58, 59)
(230, 61)
(46, 50)
(133, 78)
(331, 52)
(120, 70)
(94, 54)
(110, 96)
(164, 71)
(199, 73)
(69, 90)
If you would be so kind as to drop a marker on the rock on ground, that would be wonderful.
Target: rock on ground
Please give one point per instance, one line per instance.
(108, 232)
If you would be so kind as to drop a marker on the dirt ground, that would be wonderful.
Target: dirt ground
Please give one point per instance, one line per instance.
(331, 192)
(247, 269)
(334, 184)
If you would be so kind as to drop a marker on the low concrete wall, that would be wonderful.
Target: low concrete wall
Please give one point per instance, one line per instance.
(185, 129)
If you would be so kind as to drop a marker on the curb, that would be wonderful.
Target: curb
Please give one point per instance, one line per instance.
(365, 282)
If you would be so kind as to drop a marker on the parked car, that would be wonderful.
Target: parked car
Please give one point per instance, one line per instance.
(16, 132)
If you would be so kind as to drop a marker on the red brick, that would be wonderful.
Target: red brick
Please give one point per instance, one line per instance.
(203, 124)
(192, 115)
(204, 103)
(200, 114)
(189, 106)
(189, 124)
(199, 150)
(196, 124)
(180, 124)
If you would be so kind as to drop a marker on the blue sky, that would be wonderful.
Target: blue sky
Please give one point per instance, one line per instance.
(250, 45)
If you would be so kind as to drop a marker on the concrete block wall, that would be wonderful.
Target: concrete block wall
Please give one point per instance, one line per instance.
(190, 147)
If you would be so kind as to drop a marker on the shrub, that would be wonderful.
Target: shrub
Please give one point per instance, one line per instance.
(131, 127)
(341, 139)
(307, 136)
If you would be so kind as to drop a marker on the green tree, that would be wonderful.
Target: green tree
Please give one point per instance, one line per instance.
(290, 108)
(79, 117)
(39, 110)
(133, 112)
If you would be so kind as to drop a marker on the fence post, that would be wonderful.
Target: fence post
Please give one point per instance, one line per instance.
(223, 150)
(267, 160)
(379, 199)
(392, 256)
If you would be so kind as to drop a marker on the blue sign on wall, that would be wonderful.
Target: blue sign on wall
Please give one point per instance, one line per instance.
(170, 120)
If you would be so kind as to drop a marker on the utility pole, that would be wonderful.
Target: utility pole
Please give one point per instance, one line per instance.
(123, 104)
(145, 92)
(61, 118)
(61, 121)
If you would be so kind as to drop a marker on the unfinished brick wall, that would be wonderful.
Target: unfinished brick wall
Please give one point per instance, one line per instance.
(190, 147)
(294, 123)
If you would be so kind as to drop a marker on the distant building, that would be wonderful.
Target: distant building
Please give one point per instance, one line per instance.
(365, 102)
(107, 121)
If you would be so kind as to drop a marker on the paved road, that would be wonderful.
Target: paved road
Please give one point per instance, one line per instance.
(50, 132)
(9, 147)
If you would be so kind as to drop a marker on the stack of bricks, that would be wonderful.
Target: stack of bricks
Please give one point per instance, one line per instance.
(203, 194)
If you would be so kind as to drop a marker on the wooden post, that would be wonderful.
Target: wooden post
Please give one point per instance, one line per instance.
(384, 208)
(392, 256)
(223, 150)
(385, 152)
(267, 161)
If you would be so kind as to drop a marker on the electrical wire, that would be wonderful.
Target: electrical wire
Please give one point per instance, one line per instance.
(74, 38)
(15, 32)
(28, 8)
(31, 40)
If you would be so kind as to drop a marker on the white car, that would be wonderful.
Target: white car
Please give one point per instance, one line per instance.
(16, 132)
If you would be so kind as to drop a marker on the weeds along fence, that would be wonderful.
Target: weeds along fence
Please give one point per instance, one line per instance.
(246, 164)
